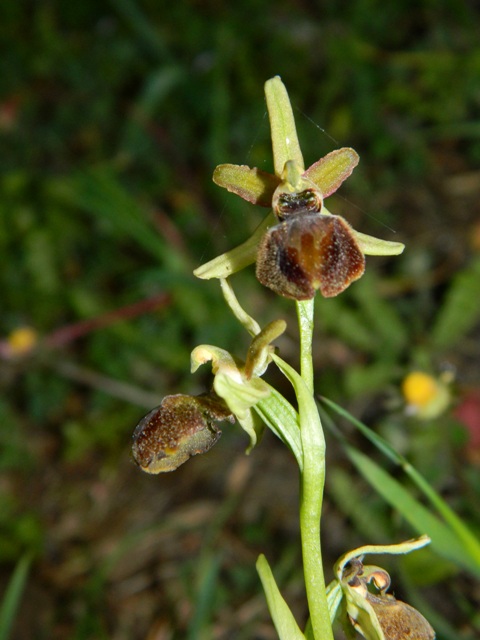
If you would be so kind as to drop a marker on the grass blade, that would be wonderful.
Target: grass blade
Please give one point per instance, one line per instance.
(12, 596)
(464, 537)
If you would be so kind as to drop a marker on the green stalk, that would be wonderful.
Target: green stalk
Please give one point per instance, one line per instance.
(305, 323)
(312, 483)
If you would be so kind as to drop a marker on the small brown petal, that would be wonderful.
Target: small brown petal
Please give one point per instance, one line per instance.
(329, 172)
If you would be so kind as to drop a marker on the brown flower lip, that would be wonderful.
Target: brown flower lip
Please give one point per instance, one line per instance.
(308, 250)
(181, 427)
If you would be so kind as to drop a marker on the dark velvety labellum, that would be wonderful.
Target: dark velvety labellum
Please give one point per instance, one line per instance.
(309, 252)
(181, 427)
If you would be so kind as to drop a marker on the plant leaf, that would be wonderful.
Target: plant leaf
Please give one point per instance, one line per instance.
(11, 597)
(99, 191)
(469, 543)
(461, 310)
(282, 419)
(283, 619)
(444, 541)
(334, 599)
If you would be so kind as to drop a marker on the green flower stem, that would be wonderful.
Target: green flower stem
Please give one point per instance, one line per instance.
(312, 484)
(312, 476)
(305, 323)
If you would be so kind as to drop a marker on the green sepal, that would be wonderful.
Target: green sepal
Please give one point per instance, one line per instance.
(230, 383)
(259, 354)
(285, 143)
(363, 614)
(397, 549)
(371, 246)
(334, 598)
(236, 259)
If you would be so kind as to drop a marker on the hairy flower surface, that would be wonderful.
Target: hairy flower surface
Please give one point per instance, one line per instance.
(181, 427)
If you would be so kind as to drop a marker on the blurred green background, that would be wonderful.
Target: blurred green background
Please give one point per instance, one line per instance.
(113, 116)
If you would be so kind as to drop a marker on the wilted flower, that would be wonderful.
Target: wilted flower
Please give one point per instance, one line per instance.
(375, 614)
(239, 383)
(397, 620)
(181, 427)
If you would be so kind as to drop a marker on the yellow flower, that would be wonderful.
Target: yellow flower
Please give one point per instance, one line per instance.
(426, 396)
(22, 340)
